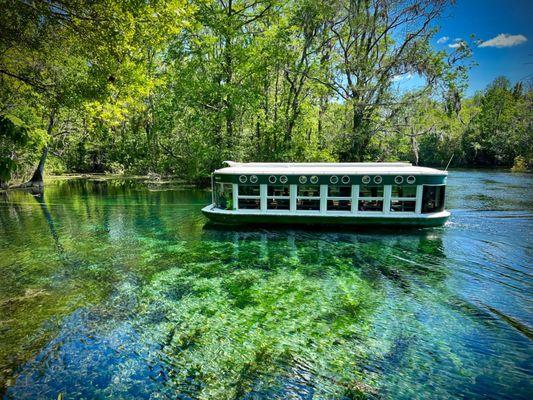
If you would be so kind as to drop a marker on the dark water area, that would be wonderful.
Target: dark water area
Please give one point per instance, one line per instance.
(116, 289)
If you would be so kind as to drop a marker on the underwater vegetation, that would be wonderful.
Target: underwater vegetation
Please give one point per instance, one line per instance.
(114, 290)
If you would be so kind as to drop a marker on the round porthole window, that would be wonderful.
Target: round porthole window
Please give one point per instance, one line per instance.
(398, 180)
(272, 179)
(253, 179)
(314, 179)
(411, 179)
(283, 179)
(242, 179)
(378, 179)
(334, 179)
(345, 179)
(303, 179)
(366, 179)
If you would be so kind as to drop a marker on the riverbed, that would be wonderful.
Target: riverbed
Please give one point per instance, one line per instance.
(114, 288)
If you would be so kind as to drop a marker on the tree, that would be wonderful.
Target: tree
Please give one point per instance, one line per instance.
(74, 54)
(375, 41)
(501, 130)
(176, 87)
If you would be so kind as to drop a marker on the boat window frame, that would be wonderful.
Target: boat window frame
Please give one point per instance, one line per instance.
(339, 198)
(413, 199)
(231, 198)
(442, 208)
(307, 197)
(372, 198)
(247, 197)
(319, 198)
(268, 197)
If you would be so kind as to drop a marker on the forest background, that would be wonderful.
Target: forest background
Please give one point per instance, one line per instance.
(175, 87)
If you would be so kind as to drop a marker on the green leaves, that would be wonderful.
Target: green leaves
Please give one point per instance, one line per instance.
(498, 132)
(15, 137)
(176, 87)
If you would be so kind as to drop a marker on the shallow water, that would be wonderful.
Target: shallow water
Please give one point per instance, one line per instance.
(116, 289)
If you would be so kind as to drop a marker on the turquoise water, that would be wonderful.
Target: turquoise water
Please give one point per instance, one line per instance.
(118, 289)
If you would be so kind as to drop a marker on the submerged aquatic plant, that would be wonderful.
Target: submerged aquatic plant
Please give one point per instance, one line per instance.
(111, 291)
(245, 328)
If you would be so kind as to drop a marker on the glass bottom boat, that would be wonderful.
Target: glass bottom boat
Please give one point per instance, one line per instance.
(393, 194)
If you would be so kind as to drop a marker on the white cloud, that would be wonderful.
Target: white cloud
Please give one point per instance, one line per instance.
(443, 39)
(504, 40)
(402, 77)
(457, 43)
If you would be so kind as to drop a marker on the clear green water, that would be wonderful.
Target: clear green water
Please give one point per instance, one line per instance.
(119, 290)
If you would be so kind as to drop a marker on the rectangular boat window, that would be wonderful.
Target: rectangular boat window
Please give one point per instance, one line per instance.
(370, 191)
(278, 204)
(370, 198)
(249, 204)
(308, 204)
(224, 196)
(339, 198)
(278, 197)
(339, 191)
(248, 190)
(284, 191)
(402, 206)
(433, 199)
(308, 197)
(309, 191)
(339, 205)
(403, 191)
(370, 205)
(403, 199)
(249, 197)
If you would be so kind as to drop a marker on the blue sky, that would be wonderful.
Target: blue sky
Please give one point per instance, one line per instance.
(487, 20)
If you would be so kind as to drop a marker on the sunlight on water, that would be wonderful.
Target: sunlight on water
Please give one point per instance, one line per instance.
(113, 289)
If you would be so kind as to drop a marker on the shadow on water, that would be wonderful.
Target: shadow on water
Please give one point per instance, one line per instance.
(38, 195)
(377, 230)
(45, 280)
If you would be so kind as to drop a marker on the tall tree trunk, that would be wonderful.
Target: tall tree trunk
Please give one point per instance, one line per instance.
(361, 134)
(323, 106)
(414, 148)
(259, 152)
(357, 134)
(228, 71)
(38, 175)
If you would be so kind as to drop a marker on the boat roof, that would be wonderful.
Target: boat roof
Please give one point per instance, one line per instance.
(371, 168)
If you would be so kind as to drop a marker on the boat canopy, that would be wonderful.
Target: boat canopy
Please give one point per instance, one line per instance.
(403, 168)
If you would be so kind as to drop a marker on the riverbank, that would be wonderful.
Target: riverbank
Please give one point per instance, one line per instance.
(153, 180)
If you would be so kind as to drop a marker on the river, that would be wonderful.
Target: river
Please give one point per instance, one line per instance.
(118, 289)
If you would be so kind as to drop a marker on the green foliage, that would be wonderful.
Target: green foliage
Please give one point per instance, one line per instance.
(501, 130)
(519, 165)
(16, 140)
(175, 87)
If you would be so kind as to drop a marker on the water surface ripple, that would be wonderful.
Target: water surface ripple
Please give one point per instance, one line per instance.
(117, 289)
